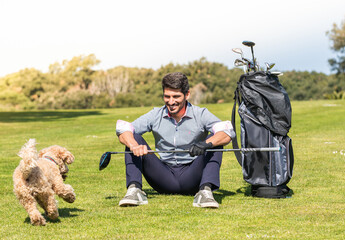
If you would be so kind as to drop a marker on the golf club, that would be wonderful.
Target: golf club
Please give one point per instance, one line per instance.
(250, 44)
(246, 66)
(269, 66)
(277, 73)
(238, 51)
(240, 63)
(106, 157)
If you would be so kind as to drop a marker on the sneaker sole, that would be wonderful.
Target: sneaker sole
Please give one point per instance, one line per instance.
(129, 203)
(206, 205)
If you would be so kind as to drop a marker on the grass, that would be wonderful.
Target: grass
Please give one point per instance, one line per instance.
(316, 210)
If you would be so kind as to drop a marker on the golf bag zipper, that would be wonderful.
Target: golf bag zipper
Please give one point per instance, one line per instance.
(270, 158)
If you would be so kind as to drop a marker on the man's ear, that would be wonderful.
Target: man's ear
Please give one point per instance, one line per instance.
(187, 95)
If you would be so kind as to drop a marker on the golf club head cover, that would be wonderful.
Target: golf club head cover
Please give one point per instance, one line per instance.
(199, 148)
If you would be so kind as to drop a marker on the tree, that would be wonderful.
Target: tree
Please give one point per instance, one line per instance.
(337, 37)
(76, 72)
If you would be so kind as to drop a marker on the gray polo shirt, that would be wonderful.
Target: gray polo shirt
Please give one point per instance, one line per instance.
(193, 127)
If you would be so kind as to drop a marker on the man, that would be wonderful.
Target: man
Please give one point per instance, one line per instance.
(178, 125)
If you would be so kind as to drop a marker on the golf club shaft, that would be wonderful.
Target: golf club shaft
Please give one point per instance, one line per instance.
(273, 149)
(251, 47)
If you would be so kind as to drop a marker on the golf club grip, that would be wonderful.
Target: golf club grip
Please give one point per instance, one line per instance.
(273, 149)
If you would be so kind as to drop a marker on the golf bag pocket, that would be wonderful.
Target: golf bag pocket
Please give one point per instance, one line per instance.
(270, 170)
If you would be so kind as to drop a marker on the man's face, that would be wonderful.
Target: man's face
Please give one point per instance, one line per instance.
(175, 100)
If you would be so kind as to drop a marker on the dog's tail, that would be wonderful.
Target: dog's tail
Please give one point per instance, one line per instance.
(29, 156)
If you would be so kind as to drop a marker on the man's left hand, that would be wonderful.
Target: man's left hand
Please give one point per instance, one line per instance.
(199, 148)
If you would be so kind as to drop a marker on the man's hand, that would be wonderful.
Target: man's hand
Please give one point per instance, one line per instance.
(199, 148)
(139, 150)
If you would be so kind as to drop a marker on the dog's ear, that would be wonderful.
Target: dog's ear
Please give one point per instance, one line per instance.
(42, 152)
(69, 158)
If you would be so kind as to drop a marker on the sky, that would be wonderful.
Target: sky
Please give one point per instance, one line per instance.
(153, 33)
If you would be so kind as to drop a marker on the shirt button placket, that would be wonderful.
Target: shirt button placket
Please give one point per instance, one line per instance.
(175, 135)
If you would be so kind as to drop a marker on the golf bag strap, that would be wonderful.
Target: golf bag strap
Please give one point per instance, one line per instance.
(233, 117)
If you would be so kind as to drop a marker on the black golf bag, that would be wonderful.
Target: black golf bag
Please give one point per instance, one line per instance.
(265, 113)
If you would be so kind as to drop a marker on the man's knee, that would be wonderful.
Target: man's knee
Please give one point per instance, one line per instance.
(140, 140)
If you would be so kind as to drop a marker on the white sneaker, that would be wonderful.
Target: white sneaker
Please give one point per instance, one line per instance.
(134, 197)
(204, 199)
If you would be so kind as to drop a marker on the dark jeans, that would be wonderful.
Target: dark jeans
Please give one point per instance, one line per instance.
(165, 178)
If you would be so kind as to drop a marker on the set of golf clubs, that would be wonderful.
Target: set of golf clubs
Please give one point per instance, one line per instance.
(251, 65)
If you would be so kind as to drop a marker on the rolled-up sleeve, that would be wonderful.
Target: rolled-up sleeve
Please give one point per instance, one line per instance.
(123, 126)
(140, 126)
(224, 126)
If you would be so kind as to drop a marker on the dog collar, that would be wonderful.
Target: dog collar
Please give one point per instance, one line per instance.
(51, 159)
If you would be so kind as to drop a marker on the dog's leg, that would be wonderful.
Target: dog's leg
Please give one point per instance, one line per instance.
(47, 201)
(29, 203)
(52, 208)
(65, 191)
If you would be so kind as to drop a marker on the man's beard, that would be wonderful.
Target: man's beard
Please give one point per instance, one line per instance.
(172, 108)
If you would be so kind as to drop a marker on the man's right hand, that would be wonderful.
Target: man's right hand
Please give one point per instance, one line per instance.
(139, 150)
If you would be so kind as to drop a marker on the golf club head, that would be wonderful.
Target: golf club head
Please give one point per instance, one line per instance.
(248, 43)
(105, 159)
(269, 66)
(239, 63)
(277, 73)
(237, 50)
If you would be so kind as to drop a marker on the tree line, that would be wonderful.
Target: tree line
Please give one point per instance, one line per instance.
(73, 84)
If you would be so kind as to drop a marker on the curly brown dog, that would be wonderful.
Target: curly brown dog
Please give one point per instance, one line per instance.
(39, 177)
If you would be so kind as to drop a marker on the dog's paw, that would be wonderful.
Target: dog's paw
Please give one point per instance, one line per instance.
(38, 220)
(70, 197)
(53, 214)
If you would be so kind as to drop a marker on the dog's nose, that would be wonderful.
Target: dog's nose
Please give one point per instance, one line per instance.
(64, 169)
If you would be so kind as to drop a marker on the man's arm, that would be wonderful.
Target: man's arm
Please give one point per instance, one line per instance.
(219, 139)
(127, 138)
(223, 132)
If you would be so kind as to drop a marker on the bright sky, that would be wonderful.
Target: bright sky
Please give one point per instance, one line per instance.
(152, 33)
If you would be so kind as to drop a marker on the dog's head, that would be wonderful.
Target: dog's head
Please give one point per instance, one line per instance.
(61, 156)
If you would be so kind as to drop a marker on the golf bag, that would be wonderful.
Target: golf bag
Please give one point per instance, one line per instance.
(265, 113)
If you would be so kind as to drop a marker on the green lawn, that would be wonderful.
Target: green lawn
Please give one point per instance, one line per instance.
(316, 210)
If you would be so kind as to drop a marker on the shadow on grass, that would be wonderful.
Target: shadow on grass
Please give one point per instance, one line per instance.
(63, 213)
(247, 191)
(110, 197)
(220, 194)
(43, 116)
(69, 212)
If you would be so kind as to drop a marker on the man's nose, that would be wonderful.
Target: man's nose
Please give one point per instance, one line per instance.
(171, 101)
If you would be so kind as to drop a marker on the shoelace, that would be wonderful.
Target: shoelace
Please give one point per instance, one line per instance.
(207, 194)
(131, 191)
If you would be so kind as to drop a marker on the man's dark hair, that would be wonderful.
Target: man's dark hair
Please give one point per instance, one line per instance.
(176, 80)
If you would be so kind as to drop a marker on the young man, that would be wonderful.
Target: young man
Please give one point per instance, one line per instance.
(178, 125)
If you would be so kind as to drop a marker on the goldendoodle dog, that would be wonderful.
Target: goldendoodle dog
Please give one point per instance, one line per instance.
(39, 177)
